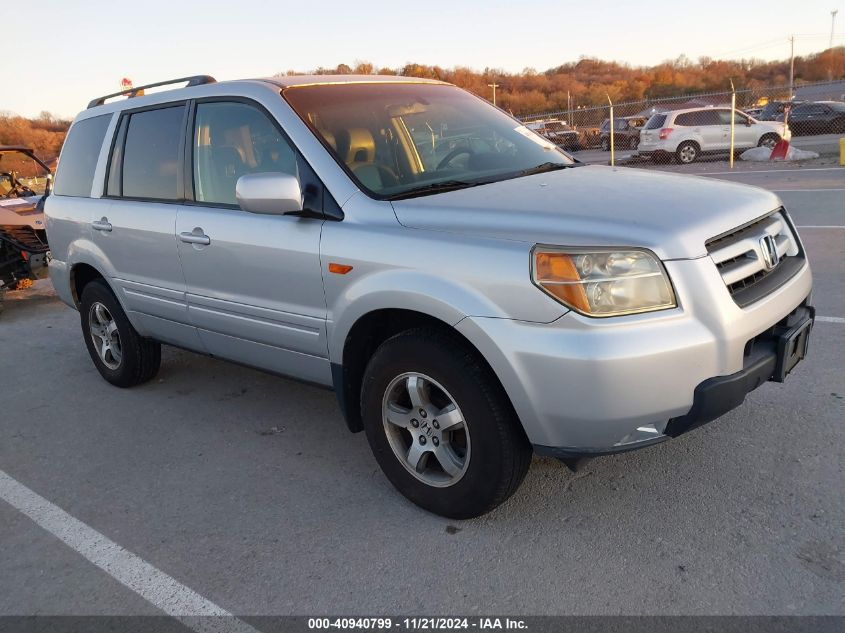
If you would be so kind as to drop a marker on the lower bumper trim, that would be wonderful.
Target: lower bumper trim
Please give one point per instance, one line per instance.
(579, 452)
(716, 396)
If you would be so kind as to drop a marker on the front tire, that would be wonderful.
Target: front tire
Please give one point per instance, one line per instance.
(769, 141)
(120, 354)
(687, 152)
(440, 425)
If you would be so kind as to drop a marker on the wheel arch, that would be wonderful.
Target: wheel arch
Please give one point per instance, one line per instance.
(81, 274)
(361, 341)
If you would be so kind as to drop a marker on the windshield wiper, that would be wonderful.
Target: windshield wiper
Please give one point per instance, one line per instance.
(544, 167)
(435, 187)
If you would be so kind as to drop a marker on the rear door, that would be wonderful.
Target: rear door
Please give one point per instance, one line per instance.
(712, 128)
(255, 288)
(136, 231)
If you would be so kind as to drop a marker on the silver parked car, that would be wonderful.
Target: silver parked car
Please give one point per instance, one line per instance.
(452, 275)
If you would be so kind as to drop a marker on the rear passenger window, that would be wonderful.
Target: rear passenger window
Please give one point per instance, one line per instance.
(151, 154)
(687, 118)
(233, 139)
(75, 174)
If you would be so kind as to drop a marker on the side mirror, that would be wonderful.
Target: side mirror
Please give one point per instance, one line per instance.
(271, 193)
(748, 122)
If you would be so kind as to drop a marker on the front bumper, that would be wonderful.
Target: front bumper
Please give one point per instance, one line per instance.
(770, 356)
(586, 386)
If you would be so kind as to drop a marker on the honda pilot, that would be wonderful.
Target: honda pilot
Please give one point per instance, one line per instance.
(453, 276)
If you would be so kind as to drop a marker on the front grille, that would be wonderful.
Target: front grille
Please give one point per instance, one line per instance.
(742, 261)
(25, 238)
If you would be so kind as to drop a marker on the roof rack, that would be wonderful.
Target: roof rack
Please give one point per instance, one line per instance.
(196, 80)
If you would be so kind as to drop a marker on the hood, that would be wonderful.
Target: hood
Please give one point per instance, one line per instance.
(669, 214)
(21, 212)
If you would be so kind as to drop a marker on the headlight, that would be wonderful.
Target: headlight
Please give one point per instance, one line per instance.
(603, 282)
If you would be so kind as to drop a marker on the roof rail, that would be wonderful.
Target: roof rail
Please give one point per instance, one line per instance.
(196, 80)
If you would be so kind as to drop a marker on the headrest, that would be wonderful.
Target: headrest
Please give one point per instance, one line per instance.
(228, 155)
(329, 138)
(356, 145)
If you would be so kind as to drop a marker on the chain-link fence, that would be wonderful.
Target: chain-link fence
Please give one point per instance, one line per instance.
(817, 108)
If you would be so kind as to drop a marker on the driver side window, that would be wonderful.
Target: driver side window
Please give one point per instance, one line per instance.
(232, 139)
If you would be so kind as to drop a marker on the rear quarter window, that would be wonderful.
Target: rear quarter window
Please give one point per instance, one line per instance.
(75, 173)
(656, 121)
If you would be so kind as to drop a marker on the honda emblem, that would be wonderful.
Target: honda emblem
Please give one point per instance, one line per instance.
(769, 251)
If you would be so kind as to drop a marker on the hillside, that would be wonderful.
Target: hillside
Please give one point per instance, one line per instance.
(589, 81)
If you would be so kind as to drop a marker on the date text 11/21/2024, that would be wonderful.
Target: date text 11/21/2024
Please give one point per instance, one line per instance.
(418, 624)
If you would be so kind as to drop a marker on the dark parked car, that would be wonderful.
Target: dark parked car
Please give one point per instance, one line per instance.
(817, 117)
(626, 132)
(774, 109)
(558, 133)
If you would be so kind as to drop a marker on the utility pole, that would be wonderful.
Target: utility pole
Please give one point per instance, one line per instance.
(493, 86)
(832, 23)
(568, 109)
(791, 64)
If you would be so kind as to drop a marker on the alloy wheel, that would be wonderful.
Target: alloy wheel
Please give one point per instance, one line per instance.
(104, 334)
(768, 142)
(426, 429)
(687, 154)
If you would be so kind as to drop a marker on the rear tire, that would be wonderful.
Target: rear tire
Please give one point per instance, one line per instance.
(687, 152)
(120, 354)
(464, 464)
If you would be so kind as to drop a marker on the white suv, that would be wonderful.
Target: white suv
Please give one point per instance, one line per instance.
(687, 134)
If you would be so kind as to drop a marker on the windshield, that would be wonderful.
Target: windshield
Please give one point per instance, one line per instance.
(400, 140)
(21, 175)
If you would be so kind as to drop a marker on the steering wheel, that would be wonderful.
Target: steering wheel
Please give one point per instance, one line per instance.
(448, 158)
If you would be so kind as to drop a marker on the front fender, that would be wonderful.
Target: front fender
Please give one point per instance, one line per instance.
(404, 289)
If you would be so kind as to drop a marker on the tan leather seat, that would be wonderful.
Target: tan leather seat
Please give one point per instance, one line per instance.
(357, 148)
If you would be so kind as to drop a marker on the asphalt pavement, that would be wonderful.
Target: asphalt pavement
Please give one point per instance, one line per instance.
(247, 491)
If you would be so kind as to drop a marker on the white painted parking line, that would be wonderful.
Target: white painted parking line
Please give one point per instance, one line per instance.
(152, 584)
(769, 171)
(827, 319)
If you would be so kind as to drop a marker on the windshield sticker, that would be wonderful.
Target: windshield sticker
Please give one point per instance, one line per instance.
(533, 136)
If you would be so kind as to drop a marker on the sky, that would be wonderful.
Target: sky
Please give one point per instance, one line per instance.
(65, 52)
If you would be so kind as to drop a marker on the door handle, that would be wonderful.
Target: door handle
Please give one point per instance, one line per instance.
(102, 224)
(195, 237)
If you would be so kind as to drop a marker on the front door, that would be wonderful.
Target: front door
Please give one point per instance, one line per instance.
(255, 289)
(745, 135)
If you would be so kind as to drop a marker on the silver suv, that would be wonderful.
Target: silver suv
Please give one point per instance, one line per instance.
(452, 275)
